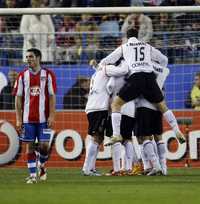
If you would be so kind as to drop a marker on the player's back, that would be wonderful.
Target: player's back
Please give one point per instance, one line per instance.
(137, 54)
(98, 98)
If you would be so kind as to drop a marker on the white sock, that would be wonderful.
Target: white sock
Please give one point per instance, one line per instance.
(92, 149)
(116, 120)
(149, 152)
(93, 163)
(162, 156)
(171, 120)
(129, 154)
(155, 148)
(123, 158)
(116, 155)
(145, 161)
(137, 147)
(88, 139)
(135, 156)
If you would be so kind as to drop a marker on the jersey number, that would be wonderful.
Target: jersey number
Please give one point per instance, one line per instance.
(139, 53)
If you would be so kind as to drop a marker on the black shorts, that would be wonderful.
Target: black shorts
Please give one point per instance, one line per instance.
(97, 123)
(144, 84)
(108, 129)
(148, 122)
(127, 127)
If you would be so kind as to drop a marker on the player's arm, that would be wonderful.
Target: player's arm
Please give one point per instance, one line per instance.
(112, 57)
(158, 57)
(18, 108)
(116, 71)
(17, 92)
(52, 110)
(52, 98)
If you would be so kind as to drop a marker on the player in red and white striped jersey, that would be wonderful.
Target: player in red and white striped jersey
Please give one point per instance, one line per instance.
(35, 90)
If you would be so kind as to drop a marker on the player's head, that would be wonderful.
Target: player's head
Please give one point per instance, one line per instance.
(132, 32)
(197, 79)
(33, 57)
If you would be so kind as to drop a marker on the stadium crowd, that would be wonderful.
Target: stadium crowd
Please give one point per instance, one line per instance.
(77, 39)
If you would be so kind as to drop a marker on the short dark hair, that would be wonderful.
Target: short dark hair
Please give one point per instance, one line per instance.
(197, 74)
(132, 32)
(36, 52)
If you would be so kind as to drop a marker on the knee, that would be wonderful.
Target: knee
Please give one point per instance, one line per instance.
(44, 148)
(117, 104)
(98, 139)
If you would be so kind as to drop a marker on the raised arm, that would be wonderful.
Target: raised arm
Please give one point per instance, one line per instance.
(112, 57)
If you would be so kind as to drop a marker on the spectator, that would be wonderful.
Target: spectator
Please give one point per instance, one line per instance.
(12, 21)
(9, 44)
(76, 97)
(195, 92)
(110, 30)
(7, 100)
(38, 31)
(197, 2)
(87, 40)
(177, 3)
(140, 22)
(67, 48)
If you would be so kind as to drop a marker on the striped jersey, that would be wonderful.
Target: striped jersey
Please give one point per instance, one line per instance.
(35, 89)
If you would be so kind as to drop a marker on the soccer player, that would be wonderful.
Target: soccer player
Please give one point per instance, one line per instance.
(142, 80)
(148, 124)
(34, 92)
(97, 111)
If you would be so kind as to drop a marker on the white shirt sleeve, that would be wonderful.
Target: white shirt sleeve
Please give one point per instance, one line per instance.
(19, 85)
(158, 57)
(110, 85)
(112, 57)
(116, 71)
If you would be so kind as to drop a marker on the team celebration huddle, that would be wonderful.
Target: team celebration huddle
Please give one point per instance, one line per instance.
(126, 100)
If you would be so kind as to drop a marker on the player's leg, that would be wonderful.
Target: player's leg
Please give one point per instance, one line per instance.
(161, 153)
(88, 139)
(171, 120)
(126, 130)
(116, 118)
(145, 129)
(130, 91)
(154, 95)
(43, 135)
(28, 136)
(97, 123)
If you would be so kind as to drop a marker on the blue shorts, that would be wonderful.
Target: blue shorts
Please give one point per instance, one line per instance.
(33, 131)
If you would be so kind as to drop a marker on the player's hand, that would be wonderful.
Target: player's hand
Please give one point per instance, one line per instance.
(50, 121)
(93, 63)
(180, 137)
(19, 126)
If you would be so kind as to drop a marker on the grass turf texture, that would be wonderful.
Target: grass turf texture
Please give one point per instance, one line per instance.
(69, 186)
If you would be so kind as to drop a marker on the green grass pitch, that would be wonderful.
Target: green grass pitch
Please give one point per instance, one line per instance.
(68, 186)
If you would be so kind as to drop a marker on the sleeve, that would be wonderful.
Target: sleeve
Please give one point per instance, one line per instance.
(158, 57)
(52, 87)
(18, 86)
(110, 85)
(112, 57)
(116, 71)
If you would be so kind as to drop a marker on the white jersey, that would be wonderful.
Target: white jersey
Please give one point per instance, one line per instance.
(138, 55)
(162, 73)
(99, 97)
